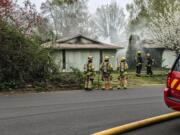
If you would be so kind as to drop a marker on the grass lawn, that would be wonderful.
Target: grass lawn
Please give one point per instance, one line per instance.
(159, 78)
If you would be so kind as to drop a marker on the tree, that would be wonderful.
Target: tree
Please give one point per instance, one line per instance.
(109, 21)
(47, 9)
(61, 2)
(139, 16)
(6, 7)
(68, 18)
(25, 17)
(165, 29)
(45, 30)
(161, 18)
(141, 12)
(22, 59)
(74, 19)
(137, 9)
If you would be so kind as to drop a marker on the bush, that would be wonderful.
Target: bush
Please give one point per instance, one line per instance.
(74, 78)
(22, 59)
(79, 77)
(24, 62)
(11, 85)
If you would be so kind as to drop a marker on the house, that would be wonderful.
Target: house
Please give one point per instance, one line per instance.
(163, 57)
(74, 51)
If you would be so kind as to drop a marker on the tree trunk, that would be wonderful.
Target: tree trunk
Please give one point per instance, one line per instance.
(177, 53)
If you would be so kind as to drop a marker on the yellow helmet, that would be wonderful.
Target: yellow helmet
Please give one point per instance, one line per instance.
(106, 58)
(138, 52)
(123, 58)
(90, 57)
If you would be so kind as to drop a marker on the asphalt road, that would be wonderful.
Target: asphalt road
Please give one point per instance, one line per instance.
(82, 112)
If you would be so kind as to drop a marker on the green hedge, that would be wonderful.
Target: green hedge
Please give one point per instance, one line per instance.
(23, 61)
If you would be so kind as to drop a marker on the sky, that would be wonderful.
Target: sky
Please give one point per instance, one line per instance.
(92, 5)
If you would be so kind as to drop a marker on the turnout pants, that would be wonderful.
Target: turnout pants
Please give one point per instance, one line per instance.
(123, 81)
(138, 69)
(88, 83)
(106, 82)
(149, 70)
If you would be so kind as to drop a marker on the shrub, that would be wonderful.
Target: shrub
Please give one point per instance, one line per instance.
(74, 78)
(22, 59)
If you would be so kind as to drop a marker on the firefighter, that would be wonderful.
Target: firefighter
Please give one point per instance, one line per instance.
(106, 70)
(139, 62)
(149, 63)
(89, 74)
(122, 69)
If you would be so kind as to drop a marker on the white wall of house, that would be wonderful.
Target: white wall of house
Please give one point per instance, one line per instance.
(78, 58)
(168, 58)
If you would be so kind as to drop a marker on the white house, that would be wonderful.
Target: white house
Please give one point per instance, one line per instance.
(74, 51)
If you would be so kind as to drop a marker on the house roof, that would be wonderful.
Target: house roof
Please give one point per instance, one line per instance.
(149, 44)
(80, 42)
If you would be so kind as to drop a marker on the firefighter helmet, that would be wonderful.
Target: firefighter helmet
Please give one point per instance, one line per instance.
(90, 57)
(138, 52)
(106, 58)
(123, 59)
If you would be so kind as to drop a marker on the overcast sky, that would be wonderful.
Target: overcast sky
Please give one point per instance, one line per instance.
(93, 4)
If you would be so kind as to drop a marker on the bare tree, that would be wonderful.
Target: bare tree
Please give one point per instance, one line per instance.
(68, 19)
(45, 30)
(47, 9)
(109, 21)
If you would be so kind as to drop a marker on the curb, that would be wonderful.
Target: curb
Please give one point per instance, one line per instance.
(139, 124)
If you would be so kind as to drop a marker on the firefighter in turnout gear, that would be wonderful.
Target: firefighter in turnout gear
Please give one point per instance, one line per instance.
(89, 74)
(122, 69)
(139, 62)
(106, 70)
(149, 63)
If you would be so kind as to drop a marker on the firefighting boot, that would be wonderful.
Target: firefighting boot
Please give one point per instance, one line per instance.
(119, 86)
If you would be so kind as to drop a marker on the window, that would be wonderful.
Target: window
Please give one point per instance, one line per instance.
(64, 59)
(101, 56)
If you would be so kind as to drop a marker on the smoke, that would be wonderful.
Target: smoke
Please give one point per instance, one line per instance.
(132, 35)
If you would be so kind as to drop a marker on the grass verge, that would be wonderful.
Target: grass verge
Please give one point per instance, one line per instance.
(159, 78)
